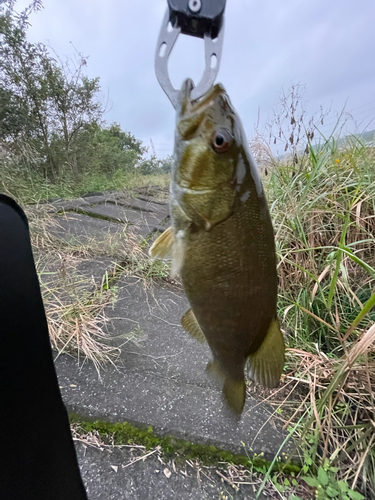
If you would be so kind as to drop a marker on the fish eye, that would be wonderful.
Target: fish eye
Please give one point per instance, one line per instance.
(221, 140)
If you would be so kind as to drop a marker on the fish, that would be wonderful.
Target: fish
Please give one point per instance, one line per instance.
(221, 243)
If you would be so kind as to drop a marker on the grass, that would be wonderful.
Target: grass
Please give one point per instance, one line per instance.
(323, 213)
(75, 302)
(28, 187)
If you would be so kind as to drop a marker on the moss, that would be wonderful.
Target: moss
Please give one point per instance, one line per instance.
(93, 215)
(125, 433)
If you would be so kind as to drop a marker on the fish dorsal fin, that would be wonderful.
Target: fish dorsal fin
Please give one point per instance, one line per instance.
(162, 247)
(267, 363)
(191, 325)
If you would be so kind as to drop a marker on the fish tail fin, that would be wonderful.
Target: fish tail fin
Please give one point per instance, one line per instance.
(234, 392)
(267, 363)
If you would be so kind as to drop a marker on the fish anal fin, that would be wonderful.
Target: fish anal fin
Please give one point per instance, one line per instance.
(191, 325)
(267, 363)
(162, 247)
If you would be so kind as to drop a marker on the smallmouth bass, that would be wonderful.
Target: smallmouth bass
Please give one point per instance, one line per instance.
(221, 242)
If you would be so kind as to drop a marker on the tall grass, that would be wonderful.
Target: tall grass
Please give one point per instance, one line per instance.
(323, 212)
(27, 186)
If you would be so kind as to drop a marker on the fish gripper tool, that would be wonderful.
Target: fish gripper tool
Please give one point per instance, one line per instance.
(199, 18)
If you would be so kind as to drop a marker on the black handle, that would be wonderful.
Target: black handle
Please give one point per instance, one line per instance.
(197, 17)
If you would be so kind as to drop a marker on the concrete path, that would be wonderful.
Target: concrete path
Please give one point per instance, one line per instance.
(120, 474)
(160, 379)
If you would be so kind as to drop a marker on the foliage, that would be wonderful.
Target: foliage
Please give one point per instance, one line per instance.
(107, 150)
(48, 99)
(323, 215)
(153, 165)
(327, 485)
(166, 164)
(29, 187)
(50, 115)
(324, 219)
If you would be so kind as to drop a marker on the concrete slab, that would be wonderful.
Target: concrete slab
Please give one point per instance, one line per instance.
(144, 205)
(126, 215)
(153, 200)
(67, 205)
(162, 381)
(154, 191)
(95, 199)
(96, 193)
(81, 228)
(111, 475)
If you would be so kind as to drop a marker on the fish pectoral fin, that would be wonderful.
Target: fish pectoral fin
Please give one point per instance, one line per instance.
(191, 325)
(178, 253)
(267, 363)
(234, 392)
(162, 247)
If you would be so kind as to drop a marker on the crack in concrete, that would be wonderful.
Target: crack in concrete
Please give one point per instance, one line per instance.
(124, 204)
(107, 218)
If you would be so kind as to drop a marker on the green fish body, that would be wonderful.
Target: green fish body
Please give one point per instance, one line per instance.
(221, 242)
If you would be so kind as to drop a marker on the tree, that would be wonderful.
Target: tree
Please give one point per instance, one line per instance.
(126, 141)
(51, 119)
(107, 149)
(166, 164)
(53, 100)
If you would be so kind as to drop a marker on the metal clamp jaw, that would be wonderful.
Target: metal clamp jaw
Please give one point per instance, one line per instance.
(200, 18)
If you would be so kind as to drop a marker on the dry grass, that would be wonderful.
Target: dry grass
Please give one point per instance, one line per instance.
(323, 212)
(79, 328)
(75, 302)
(335, 397)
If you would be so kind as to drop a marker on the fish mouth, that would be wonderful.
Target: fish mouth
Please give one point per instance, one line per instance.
(191, 114)
(187, 106)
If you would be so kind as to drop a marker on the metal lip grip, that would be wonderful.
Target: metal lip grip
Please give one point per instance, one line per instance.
(200, 18)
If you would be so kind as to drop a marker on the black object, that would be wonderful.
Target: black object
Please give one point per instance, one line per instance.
(205, 21)
(38, 460)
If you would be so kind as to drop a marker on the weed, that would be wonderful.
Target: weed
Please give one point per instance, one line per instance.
(324, 222)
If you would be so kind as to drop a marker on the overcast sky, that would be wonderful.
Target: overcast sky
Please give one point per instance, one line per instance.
(329, 45)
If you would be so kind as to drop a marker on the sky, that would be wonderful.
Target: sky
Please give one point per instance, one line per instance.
(327, 45)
